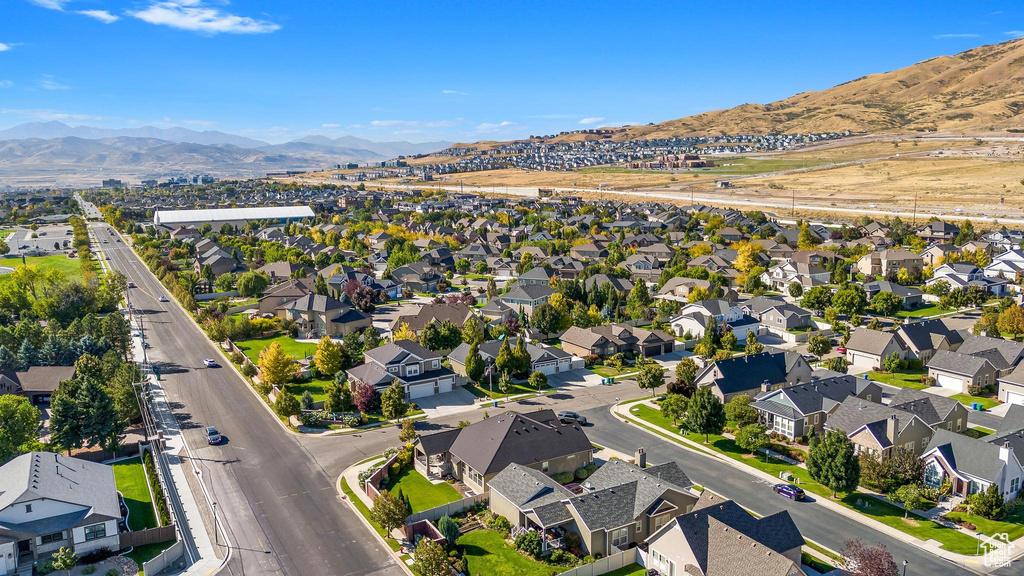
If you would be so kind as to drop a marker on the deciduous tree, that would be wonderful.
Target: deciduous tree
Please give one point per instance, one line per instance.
(651, 377)
(705, 413)
(327, 357)
(392, 401)
(831, 461)
(277, 367)
(19, 425)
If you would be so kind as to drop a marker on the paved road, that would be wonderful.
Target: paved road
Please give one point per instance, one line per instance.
(279, 506)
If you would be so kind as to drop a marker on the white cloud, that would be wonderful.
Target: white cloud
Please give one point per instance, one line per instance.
(6, 83)
(101, 15)
(410, 124)
(330, 125)
(1015, 33)
(454, 92)
(45, 115)
(956, 35)
(195, 16)
(553, 116)
(50, 83)
(6, 47)
(50, 4)
(593, 120)
(493, 127)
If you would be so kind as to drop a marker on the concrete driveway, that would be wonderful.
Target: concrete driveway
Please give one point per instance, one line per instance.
(454, 402)
(574, 379)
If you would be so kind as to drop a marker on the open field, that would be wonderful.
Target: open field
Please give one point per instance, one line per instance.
(69, 266)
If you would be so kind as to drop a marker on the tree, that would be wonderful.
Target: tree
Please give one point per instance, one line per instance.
(449, 529)
(286, 404)
(886, 303)
(796, 289)
(389, 511)
(251, 284)
(392, 401)
(28, 355)
(473, 332)
(686, 374)
(364, 396)
(988, 503)
(327, 357)
(1011, 321)
(505, 383)
(521, 358)
(403, 333)
(818, 298)
(504, 362)
(538, 380)
(65, 417)
(674, 406)
(831, 461)
(807, 240)
(752, 437)
(850, 299)
(638, 300)
(705, 414)
(475, 365)
(752, 346)
(909, 495)
(651, 377)
(64, 559)
(339, 396)
(837, 364)
(819, 345)
(100, 424)
(320, 287)
(859, 559)
(739, 411)
(118, 332)
(306, 401)
(431, 559)
(988, 323)
(19, 426)
(892, 362)
(276, 366)
(407, 432)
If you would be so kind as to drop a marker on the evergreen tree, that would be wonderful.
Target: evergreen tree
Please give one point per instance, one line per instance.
(392, 402)
(28, 355)
(521, 358)
(7, 359)
(65, 418)
(101, 425)
(473, 332)
(475, 365)
(505, 362)
(52, 353)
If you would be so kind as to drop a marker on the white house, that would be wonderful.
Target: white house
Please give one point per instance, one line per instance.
(694, 317)
(49, 501)
(807, 275)
(972, 465)
(964, 274)
(1006, 265)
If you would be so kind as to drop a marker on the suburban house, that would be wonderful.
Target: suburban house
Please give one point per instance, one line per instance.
(477, 453)
(936, 411)
(939, 231)
(808, 275)
(37, 383)
(878, 429)
(318, 316)
(867, 349)
(796, 411)
(418, 370)
(971, 465)
(610, 339)
(536, 275)
(282, 293)
(283, 270)
(618, 506)
(589, 251)
(910, 297)
(435, 313)
(49, 501)
(937, 254)
(719, 538)
(416, 276)
(979, 361)
(1011, 386)
(753, 373)
(526, 297)
(693, 318)
(922, 339)
(544, 359)
(886, 263)
(681, 286)
(597, 282)
(783, 317)
(1006, 264)
(964, 274)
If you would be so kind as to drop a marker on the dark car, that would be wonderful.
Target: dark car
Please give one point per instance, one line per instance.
(789, 491)
(567, 417)
(212, 435)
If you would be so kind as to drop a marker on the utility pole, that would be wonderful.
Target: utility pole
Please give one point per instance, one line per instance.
(793, 212)
(915, 211)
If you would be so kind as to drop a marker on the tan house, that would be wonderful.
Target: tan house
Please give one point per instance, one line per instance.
(285, 292)
(867, 349)
(477, 453)
(318, 316)
(888, 261)
(878, 429)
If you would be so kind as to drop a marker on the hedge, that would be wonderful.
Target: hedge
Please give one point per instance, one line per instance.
(158, 491)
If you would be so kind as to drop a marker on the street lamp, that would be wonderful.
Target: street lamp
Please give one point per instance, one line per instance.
(216, 537)
(905, 562)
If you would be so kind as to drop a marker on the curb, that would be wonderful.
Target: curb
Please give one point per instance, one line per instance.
(366, 524)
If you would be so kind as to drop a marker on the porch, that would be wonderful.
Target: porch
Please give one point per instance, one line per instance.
(550, 538)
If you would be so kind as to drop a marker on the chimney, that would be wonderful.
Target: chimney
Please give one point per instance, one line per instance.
(1004, 452)
(641, 458)
(765, 386)
(891, 426)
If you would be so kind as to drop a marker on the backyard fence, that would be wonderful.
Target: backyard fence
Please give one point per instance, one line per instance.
(148, 536)
(449, 509)
(245, 359)
(373, 483)
(609, 564)
(164, 559)
(201, 297)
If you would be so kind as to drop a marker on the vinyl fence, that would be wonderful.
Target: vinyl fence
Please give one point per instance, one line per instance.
(449, 509)
(164, 559)
(608, 564)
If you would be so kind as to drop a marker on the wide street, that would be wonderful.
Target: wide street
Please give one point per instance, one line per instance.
(276, 490)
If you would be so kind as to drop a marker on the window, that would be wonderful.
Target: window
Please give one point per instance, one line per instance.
(1014, 485)
(660, 521)
(909, 445)
(949, 425)
(817, 418)
(95, 531)
(412, 370)
(51, 538)
(544, 467)
(868, 398)
(620, 537)
(959, 424)
(639, 526)
(28, 508)
(433, 364)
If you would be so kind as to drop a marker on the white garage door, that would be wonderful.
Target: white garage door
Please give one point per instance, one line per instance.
(950, 382)
(421, 390)
(1014, 398)
(445, 386)
(862, 361)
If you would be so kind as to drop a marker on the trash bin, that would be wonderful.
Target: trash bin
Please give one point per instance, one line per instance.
(495, 403)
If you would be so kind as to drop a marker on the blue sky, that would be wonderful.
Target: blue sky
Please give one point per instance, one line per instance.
(460, 71)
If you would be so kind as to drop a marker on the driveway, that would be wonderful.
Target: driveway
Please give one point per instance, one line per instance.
(387, 313)
(454, 402)
(574, 379)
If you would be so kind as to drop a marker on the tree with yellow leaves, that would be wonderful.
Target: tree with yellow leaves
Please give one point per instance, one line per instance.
(327, 358)
(276, 366)
(403, 333)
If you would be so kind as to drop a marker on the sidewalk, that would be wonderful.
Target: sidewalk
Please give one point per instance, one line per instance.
(200, 552)
(975, 563)
(351, 477)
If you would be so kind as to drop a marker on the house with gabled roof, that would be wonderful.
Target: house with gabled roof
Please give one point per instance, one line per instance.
(316, 316)
(526, 297)
(477, 453)
(909, 297)
(753, 373)
(543, 359)
(936, 411)
(924, 338)
(802, 409)
(418, 370)
(867, 349)
(878, 429)
(610, 339)
(435, 313)
(693, 318)
(971, 465)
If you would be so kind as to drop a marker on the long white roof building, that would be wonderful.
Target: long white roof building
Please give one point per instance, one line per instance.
(182, 217)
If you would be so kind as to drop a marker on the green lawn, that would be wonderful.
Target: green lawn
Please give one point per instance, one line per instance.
(610, 371)
(902, 379)
(130, 477)
(986, 402)
(631, 570)
(69, 266)
(315, 387)
(483, 391)
(922, 311)
(365, 512)
(888, 514)
(1013, 525)
(978, 432)
(252, 348)
(487, 554)
(422, 494)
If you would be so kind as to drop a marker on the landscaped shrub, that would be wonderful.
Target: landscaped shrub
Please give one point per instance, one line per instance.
(559, 556)
(501, 525)
(90, 569)
(571, 540)
(248, 370)
(914, 364)
(449, 529)
(563, 477)
(588, 559)
(974, 390)
(158, 492)
(350, 420)
(396, 469)
(591, 468)
(530, 543)
(97, 555)
(389, 452)
(237, 358)
(582, 474)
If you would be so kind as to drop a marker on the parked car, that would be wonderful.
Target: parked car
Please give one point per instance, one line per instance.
(213, 437)
(841, 350)
(209, 362)
(567, 417)
(789, 491)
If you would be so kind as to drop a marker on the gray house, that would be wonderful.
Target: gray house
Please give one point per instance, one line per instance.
(796, 411)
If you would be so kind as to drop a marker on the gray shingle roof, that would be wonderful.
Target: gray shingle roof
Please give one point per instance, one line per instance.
(969, 455)
(931, 408)
(870, 341)
(1009, 351)
(744, 373)
(957, 363)
(798, 401)
(622, 492)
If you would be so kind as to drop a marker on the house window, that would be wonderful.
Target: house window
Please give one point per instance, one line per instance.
(817, 418)
(393, 369)
(959, 424)
(868, 398)
(949, 425)
(28, 508)
(544, 466)
(639, 526)
(620, 537)
(412, 370)
(1014, 485)
(933, 475)
(95, 531)
(433, 364)
(909, 445)
(51, 538)
(660, 521)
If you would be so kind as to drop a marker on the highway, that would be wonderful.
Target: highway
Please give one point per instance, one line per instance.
(279, 507)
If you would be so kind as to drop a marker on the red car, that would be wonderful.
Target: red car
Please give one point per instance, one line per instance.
(841, 350)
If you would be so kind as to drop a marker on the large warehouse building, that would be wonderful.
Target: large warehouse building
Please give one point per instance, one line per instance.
(235, 216)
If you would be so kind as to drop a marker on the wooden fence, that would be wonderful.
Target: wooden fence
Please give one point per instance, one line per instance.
(148, 536)
(609, 564)
(449, 509)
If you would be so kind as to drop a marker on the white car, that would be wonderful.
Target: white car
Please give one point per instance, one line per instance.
(209, 363)
(163, 299)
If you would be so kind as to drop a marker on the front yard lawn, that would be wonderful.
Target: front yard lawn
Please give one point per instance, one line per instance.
(483, 391)
(487, 554)
(252, 348)
(315, 387)
(70, 267)
(610, 371)
(130, 477)
(986, 402)
(1013, 524)
(901, 379)
(922, 311)
(978, 432)
(422, 494)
